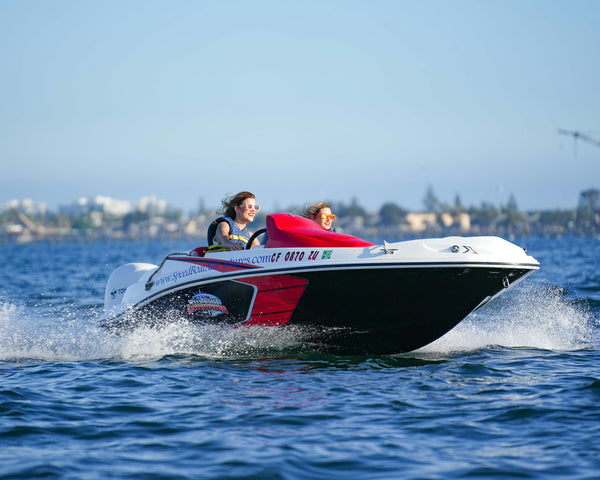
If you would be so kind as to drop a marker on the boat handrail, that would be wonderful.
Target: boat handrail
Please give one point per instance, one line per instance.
(150, 283)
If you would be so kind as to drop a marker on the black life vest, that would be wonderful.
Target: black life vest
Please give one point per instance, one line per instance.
(235, 234)
(212, 230)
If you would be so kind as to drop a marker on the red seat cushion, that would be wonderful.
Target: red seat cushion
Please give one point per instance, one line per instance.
(285, 230)
(200, 251)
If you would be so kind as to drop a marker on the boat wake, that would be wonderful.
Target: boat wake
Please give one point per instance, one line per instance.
(535, 317)
(24, 336)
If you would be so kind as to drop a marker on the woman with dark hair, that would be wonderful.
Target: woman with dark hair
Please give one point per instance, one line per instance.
(229, 232)
(320, 212)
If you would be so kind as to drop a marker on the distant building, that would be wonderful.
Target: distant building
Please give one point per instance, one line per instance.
(79, 207)
(462, 221)
(26, 206)
(114, 207)
(419, 222)
(110, 206)
(152, 206)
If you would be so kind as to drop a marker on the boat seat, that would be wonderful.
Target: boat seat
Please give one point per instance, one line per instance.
(292, 231)
(199, 252)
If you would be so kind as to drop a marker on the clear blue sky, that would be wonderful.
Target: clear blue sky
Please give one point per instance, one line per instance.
(299, 101)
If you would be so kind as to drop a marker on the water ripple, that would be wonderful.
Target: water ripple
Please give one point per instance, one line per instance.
(512, 392)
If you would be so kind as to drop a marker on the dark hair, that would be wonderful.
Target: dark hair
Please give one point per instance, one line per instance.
(312, 210)
(229, 203)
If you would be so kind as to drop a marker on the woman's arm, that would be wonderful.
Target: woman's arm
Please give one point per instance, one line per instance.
(222, 237)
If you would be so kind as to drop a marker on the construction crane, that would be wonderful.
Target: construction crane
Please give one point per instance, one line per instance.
(577, 135)
(35, 229)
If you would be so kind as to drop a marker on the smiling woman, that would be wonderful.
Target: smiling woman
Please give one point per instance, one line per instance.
(229, 232)
(321, 213)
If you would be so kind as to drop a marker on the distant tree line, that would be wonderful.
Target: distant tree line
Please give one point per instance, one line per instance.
(389, 221)
(492, 218)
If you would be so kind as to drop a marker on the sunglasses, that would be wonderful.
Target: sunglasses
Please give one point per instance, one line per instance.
(326, 216)
(249, 206)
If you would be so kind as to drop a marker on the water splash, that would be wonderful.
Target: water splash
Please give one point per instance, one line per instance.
(62, 337)
(76, 337)
(209, 341)
(536, 317)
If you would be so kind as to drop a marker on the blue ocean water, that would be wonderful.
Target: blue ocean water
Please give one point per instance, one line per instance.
(512, 392)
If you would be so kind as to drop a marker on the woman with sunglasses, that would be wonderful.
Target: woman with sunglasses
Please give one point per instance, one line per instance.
(229, 232)
(320, 212)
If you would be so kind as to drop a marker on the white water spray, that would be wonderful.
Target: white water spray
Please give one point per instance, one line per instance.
(534, 317)
(537, 318)
(70, 337)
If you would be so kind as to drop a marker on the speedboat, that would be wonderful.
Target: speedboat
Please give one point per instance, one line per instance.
(347, 294)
